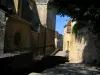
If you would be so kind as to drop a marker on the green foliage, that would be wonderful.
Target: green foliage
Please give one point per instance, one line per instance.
(78, 26)
(79, 10)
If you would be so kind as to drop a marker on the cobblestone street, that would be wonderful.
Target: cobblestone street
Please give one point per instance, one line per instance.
(71, 69)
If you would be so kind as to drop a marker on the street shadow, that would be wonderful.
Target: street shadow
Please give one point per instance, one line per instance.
(24, 64)
(48, 62)
(72, 69)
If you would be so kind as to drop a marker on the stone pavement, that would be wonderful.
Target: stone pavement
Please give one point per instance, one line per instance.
(4, 55)
(60, 53)
(70, 69)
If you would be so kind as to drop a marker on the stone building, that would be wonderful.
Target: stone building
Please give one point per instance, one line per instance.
(18, 27)
(2, 29)
(56, 34)
(67, 36)
(19, 8)
(23, 35)
(31, 24)
(83, 47)
(69, 42)
(58, 41)
(47, 15)
(15, 33)
(47, 19)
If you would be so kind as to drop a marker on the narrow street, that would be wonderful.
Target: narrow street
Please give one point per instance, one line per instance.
(49, 37)
(70, 69)
(60, 53)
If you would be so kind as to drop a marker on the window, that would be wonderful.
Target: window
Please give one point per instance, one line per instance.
(68, 29)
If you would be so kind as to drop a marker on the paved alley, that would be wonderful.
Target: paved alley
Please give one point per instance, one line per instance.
(60, 53)
(71, 69)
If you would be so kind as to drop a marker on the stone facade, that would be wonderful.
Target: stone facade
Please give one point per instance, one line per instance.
(37, 10)
(47, 16)
(18, 35)
(51, 19)
(84, 48)
(58, 41)
(66, 40)
(22, 23)
(2, 29)
(56, 34)
(87, 46)
(42, 12)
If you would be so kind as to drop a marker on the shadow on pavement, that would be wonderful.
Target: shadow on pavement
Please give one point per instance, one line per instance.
(48, 62)
(24, 64)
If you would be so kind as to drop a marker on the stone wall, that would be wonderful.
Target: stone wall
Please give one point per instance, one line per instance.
(42, 12)
(51, 19)
(47, 16)
(79, 43)
(88, 46)
(18, 35)
(2, 29)
(66, 39)
(85, 47)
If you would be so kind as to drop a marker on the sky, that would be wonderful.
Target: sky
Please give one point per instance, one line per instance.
(60, 23)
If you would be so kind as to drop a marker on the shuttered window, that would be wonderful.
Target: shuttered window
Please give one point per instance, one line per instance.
(68, 29)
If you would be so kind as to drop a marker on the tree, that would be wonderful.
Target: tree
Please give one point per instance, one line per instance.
(79, 10)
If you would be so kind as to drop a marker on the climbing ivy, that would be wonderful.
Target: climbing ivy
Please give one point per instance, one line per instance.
(79, 10)
(77, 26)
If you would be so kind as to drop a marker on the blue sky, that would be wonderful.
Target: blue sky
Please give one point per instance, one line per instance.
(60, 23)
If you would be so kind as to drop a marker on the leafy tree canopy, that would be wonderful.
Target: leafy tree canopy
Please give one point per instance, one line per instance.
(80, 10)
